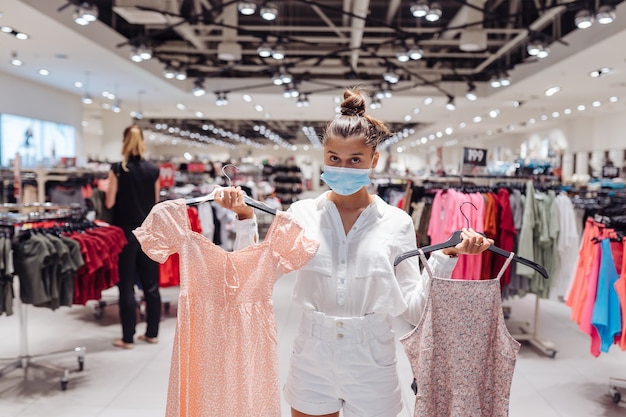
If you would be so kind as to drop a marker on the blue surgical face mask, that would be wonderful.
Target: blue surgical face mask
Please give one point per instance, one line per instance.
(345, 181)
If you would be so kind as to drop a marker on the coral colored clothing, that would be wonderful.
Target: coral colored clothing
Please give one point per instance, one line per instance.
(576, 296)
(461, 353)
(491, 230)
(606, 310)
(587, 310)
(224, 360)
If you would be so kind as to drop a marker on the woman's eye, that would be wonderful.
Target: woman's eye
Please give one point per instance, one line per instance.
(333, 158)
(356, 160)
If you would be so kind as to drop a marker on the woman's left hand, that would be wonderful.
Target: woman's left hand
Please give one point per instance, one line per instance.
(473, 243)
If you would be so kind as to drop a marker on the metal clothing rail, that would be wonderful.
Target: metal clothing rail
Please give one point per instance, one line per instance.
(18, 216)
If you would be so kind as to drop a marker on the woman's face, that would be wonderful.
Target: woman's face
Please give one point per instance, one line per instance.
(349, 153)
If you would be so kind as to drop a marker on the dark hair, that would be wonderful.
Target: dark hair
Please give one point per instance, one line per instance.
(353, 122)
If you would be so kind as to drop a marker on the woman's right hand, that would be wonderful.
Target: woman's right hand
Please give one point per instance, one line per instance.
(231, 198)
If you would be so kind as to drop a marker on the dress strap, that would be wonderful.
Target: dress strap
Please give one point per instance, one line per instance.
(506, 265)
(425, 262)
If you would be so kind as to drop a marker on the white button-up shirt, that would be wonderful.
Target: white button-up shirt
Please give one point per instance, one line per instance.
(352, 274)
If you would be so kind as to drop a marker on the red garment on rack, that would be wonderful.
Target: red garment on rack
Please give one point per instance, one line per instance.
(169, 273)
(506, 234)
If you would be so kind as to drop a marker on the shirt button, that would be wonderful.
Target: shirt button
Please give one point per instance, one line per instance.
(339, 336)
(340, 324)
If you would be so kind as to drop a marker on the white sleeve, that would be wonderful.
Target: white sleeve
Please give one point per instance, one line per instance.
(246, 233)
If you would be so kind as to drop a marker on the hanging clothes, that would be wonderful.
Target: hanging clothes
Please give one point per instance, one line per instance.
(224, 360)
(169, 271)
(461, 352)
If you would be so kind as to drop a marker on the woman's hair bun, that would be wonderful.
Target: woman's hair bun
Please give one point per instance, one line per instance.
(353, 103)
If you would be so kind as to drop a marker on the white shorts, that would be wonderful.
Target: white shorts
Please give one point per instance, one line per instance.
(347, 363)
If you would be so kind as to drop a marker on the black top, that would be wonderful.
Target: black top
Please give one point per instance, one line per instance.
(135, 191)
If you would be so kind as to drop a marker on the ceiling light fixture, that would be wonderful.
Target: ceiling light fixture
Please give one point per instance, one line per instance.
(303, 101)
(15, 60)
(376, 103)
(246, 8)
(402, 54)
(85, 13)
(599, 72)
(471, 92)
(419, 8)
(605, 14)
(181, 74)
(583, 19)
(434, 12)
(269, 11)
(264, 50)
(416, 53)
(198, 88)
(450, 104)
(169, 72)
(278, 52)
(495, 81)
(221, 100)
(116, 107)
(390, 76)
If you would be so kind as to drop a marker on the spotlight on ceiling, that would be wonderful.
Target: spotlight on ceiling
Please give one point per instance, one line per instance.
(198, 88)
(538, 49)
(583, 19)
(375, 104)
(169, 72)
(419, 8)
(246, 8)
(605, 14)
(85, 13)
(390, 76)
(303, 101)
(264, 50)
(269, 11)
(221, 100)
(450, 104)
(471, 92)
(416, 53)
(278, 52)
(434, 12)
(181, 74)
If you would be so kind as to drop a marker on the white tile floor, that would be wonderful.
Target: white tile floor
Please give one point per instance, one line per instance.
(120, 383)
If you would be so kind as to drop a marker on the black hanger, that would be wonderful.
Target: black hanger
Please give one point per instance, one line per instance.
(455, 239)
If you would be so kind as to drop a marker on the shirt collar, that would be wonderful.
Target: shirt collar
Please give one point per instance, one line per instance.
(379, 205)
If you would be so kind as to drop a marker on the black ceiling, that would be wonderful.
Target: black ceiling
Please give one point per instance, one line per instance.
(327, 42)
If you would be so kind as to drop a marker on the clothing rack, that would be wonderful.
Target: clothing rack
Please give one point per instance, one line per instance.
(520, 330)
(18, 216)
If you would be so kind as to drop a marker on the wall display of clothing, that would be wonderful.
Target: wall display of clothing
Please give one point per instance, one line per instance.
(231, 291)
(288, 183)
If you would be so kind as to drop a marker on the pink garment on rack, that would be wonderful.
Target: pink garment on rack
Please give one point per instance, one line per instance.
(224, 359)
(470, 266)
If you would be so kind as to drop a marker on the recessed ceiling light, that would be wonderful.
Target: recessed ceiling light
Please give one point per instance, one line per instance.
(78, 84)
(44, 72)
(580, 107)
(21, 36)
(6, 29)
(181, 106)
(596, 104)
(552, 91)
(247, 98)
(613, 99)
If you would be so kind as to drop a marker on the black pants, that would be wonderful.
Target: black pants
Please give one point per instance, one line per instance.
(132, 263)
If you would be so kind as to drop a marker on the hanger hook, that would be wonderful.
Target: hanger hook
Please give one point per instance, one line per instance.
(463, 214)
(226, 175)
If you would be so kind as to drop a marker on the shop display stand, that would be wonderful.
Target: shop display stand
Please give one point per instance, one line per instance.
(25, 360)
(614, 384)
(523, 331)
(37, 212)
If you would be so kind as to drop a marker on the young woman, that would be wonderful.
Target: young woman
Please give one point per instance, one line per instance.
(133, 190)
(344, 354)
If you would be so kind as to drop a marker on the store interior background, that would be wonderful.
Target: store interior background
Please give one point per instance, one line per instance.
(91, 54)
